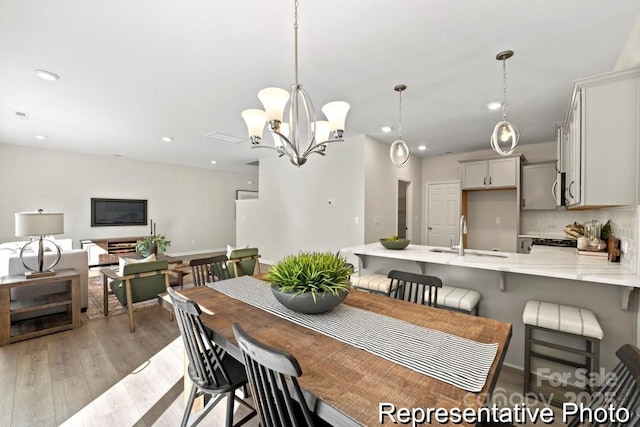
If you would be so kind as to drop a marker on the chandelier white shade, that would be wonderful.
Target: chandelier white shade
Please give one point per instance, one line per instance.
(301, 135)
(504, 132)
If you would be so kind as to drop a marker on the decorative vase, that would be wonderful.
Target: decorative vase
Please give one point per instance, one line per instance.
(305, 302)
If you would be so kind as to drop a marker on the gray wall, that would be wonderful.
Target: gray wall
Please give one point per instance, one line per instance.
(381, 192)
(194, 207)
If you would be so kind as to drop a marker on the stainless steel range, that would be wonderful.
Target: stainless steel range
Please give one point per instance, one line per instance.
(565, 243)
(525, 243)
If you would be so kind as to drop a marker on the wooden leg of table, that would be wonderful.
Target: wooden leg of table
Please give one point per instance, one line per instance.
(5, 315)
(105, 295)
(75, 302)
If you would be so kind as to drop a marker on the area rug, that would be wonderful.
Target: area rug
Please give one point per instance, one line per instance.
(95, 309)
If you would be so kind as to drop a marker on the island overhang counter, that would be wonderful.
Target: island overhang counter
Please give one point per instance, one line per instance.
(508, 280)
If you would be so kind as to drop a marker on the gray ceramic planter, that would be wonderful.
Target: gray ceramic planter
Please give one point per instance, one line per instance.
(304, 303)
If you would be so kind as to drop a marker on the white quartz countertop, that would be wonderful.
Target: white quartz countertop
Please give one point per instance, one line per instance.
(543, 261)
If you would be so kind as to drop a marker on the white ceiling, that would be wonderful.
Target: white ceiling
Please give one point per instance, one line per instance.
(135, 71)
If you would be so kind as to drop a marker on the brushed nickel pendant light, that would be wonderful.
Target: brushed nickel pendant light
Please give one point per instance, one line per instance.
(504, 132)
(399, 151)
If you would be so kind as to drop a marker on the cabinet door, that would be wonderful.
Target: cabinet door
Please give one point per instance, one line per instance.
(474, 175)
(502, 172)
(538, 184)
(574, 138)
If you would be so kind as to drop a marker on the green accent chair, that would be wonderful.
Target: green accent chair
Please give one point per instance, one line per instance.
(139, 282)
(244, 262)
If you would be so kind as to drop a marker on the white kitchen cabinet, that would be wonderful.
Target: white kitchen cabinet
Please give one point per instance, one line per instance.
(500, 172)
(538, 186)
(601, 140)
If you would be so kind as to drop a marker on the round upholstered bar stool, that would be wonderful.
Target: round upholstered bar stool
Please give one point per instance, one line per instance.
(560, 322)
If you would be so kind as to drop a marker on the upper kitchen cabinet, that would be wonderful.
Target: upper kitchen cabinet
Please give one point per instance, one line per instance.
(538, 185)
(601, 139)
(502, 172)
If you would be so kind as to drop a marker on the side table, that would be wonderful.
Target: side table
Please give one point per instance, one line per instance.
(12, 331)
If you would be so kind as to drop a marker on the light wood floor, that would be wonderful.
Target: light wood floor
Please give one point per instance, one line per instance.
(101, 374)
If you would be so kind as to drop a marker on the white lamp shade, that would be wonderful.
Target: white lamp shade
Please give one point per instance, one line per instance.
(255, 120)
(336, 113)
(39, 223)
(323, 129)
(274, 100)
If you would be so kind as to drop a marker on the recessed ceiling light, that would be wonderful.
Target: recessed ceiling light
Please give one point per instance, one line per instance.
(213, 162)
(422, 147)
(494, 105)
(47, 75)
(386, 129)
(41, 137)
(167, 138)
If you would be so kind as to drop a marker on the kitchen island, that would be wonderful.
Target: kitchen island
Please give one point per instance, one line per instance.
(508, 280)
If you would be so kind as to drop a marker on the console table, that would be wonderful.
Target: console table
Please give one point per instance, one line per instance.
(111, 249)
(18, 330)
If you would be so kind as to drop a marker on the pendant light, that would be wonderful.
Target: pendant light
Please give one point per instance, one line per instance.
(399, 151)
(504, 132)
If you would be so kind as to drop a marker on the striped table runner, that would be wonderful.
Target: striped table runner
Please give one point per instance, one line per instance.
(458, 361)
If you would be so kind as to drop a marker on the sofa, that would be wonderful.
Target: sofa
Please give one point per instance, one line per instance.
(11, 264)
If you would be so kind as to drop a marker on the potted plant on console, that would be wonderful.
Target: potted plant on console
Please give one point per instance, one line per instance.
(155, 244)
(310, 282)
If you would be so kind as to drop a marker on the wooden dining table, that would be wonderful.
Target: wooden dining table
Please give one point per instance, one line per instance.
(348, 384)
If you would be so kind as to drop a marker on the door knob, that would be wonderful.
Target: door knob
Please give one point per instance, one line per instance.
(430, 228)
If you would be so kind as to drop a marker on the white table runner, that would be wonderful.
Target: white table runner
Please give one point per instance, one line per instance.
(458, 361)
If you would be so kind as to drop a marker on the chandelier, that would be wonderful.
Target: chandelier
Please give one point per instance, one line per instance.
(303, 134)
(399, 151)
(504, 132)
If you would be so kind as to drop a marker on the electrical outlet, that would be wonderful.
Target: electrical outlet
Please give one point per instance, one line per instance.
(376, 220)
(497, 220)
(249, 182)
(356, 220)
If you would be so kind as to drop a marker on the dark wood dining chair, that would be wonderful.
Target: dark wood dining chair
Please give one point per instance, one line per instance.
(210, 269)
(620, 388)
(273, 382)
(413, 287)
(212, 371)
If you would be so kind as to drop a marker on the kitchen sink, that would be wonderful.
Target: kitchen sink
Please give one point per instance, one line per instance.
(468, 252)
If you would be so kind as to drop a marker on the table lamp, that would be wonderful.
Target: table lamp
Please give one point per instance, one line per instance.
(39, 224)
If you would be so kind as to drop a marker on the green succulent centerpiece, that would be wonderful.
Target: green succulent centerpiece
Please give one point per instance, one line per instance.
(157, 244)
(310, 282)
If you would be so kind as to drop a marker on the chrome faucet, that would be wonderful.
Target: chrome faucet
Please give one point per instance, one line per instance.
(463, 230)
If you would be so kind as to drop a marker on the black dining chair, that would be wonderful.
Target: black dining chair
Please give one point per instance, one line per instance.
(210, 269)
(273, 382)
(413, 287)
(212, 371)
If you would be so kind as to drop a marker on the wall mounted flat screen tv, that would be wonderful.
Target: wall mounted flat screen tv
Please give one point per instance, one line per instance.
(111, 212)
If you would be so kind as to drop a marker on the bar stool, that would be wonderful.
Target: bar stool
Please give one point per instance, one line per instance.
(563, 321)
(452, 298)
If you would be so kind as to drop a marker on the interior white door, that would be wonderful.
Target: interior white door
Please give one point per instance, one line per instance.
(443, 213)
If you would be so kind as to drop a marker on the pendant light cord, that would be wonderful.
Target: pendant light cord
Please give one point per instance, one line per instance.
(400, 119)
(295, 38)
(504, 89)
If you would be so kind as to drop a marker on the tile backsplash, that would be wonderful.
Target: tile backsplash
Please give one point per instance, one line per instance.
(624, 226)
